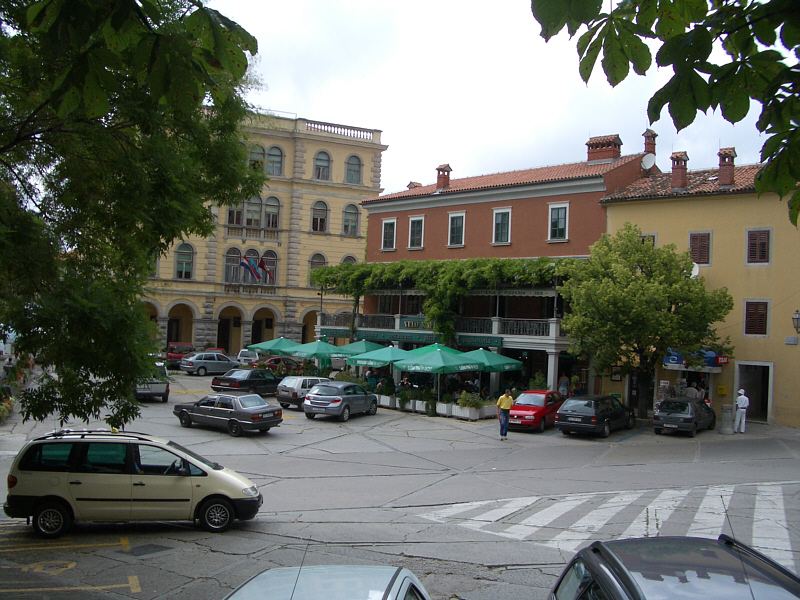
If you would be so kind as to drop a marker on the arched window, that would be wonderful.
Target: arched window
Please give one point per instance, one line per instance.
(252, 213)
(233, 259)
(353, 170)
(257, 157)
(272, 213)
(275, 161)
(235, 215)
(322, 166)
(184, 261)
(270, 273)
(350, 220)
(319, 216)
(251, 256)
(349, 260)
(316, 261)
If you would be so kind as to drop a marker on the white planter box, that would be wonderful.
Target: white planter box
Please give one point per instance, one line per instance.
(488, 412)
(444, 409)
(420, 406)
(469, 414)
(409, 407)
(387, 401)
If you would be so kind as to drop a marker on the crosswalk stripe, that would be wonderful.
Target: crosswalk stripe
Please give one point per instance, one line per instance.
(710, 518)
(655, 514)
(449, 511)
(509, 508)
(543, 518)
(769, 525)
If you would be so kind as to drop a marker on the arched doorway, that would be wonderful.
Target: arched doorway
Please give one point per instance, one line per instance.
(263, 326)
(229, 330)
(309, 325)
(179, 324)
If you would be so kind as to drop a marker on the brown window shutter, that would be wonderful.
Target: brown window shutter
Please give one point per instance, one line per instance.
(758, 246)
(756, 318)
(700, 247)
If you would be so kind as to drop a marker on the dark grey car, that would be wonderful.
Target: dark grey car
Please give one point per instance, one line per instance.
(236, 414)
(684, 414)
(674, 567)
(339, 399)
(208, 362)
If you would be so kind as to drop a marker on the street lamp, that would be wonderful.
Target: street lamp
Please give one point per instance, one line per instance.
(796, 320)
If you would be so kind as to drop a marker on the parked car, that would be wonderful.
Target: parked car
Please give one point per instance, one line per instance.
(535, 409)
(684, 414)
(220, 350)
(208, 362)
(332, 582)
(674, 567)
(292, 365)
(247, 356)
(157, 386)
(294, 389)
(68, 476)
(175, 352)
(594, 414)
(236, 414)
(255, 381)
(339, 399)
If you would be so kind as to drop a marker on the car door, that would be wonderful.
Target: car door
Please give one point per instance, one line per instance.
(161, 488)
(203, 412)
(100, 482)
(360, 395)
(619, 414)
(222, 412)
(224, 364)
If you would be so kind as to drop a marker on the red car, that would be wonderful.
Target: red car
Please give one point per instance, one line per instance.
(291, 364)
(535, 409)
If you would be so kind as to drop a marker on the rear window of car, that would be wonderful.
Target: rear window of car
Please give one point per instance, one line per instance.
(289, 381)
(47, 457)
(674, 406)
(237, 374)
(248, 354)
(251, 401)
(582, 407)
(530, 400)
(324, 390)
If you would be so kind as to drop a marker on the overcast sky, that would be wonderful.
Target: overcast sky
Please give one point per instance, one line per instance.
(462, 82)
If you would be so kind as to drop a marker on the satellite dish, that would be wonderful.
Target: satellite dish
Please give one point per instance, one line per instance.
(648, 161)
(695, 270)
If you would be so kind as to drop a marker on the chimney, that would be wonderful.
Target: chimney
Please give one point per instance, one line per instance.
(726, 166)
(604, 148)
(413, 184)
(443, 177)
(679, 175)
(649, 141)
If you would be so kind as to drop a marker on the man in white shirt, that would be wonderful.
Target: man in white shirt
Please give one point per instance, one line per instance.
(742, 402)
(691, 391)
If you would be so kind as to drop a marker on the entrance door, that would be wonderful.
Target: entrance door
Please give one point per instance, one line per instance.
(755, 379)
(224, 334)
(173, 330)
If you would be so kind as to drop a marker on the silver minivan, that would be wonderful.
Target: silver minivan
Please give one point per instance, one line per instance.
(293, 389)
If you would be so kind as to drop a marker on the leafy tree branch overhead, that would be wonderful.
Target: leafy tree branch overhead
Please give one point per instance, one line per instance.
(761, 43)
(120, 129)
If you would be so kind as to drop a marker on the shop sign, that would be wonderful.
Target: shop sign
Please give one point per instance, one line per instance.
(482, 341)
(414, 323)
(721, 359)
(548, 292)
(397, 336)
(341, 332)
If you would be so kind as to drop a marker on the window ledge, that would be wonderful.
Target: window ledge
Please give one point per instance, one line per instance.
(388, 249)
(416, 248)
(755, 335)
(319, 232)
(454, 246)
(501, 243)
(558, 241)
(758, 264)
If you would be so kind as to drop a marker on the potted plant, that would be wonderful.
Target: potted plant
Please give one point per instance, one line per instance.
(430, 402)
(403, 399)
(468, 407)
(444, 407)
(419, 402)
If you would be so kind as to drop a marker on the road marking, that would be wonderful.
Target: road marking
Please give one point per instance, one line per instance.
(55, 567)
(454, 509)
(655, 514)
(769, 525)
(133, 584)
(544, 517)
(126, 547)
(710, 517)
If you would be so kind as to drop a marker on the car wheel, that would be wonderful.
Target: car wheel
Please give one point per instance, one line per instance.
(165, 398)
(631, 422)
(566, 431)
(657, 431)
(542, 425)
(606, 430)
(201, 371)
(345, 414)
(373, 408)
(185, 419)
(285, 405)
(216, 515)
(52, 519)
(693, 430)
(310, 415)
(713, 424)
(234, 428)
(264, 430)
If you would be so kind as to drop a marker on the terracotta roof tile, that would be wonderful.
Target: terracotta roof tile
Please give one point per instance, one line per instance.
(699, 183)
(580, 170)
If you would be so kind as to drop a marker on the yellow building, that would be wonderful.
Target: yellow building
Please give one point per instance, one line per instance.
(249, 281)
(741, 242)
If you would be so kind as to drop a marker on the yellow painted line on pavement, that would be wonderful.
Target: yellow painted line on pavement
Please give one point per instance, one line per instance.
(123, 542)
(55, 567)
(133, 584)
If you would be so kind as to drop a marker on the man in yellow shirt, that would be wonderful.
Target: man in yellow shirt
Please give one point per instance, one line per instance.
(504, 404)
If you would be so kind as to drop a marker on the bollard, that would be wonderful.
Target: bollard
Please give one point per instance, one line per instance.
(726, 422)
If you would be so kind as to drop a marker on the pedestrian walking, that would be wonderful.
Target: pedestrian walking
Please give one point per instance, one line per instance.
(504, 404)
(742, 402)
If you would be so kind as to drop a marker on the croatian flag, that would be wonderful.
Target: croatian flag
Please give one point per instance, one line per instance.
(250, 265)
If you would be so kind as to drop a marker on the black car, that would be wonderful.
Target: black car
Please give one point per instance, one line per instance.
(674, 567)
(236, 414)
(684, 414)
(594, 414)
(255, 381)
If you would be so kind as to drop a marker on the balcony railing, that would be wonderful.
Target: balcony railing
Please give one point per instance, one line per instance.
(529, 327)
(340, 320)
(253, 233)
(249, 289)
(377, 321)
(473, 325)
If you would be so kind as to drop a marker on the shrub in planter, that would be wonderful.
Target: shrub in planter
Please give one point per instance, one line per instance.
(447, 398)
(388, 387)
(539, 382)
(470, 400)
(347, 376)
(403, 399)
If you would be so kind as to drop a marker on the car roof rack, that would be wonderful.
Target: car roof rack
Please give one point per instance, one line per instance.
(84, 433)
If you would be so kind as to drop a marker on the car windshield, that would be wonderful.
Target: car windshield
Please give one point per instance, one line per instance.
(251, 401)
(248, 354)
(531, 400)
(583, 407)
(325, 390)
(201, 459)
(674, 406)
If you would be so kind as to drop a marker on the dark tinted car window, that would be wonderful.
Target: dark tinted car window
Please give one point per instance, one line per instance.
(225, 403)
(104, 458)
(47, 457)
(673, 406)
(582, 407)
(575, 581)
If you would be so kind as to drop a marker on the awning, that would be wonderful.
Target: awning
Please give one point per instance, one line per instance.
(712, 362)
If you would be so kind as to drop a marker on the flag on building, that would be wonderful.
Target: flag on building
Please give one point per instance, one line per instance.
(250, 264)
(270, 276)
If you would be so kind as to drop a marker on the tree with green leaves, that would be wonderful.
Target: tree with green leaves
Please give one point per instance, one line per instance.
(120, 129)
(761, 43)
(630, 303)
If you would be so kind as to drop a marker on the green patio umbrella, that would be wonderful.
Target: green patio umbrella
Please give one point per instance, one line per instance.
(438, 361)
(279, 346)
(378, 358)
(492, 361)
(433, 348)
(319, 350)
(362, 346)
